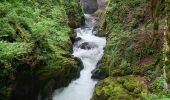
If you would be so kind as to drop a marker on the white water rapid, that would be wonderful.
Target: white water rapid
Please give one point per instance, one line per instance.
(89, 48)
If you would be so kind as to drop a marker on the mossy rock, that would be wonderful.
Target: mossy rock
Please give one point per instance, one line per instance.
(74, 12)
(35, 45)
(125, 87)
(99, 73)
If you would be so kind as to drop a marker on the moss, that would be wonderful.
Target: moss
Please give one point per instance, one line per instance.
(126, 87)
(74, 12)
(168, 75)
(5, 93)
(35, 46)
(129, 84)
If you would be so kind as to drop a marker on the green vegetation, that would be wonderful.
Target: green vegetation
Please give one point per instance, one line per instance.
(116, 88)
(35, 46)
(134, 30)
(167, 43)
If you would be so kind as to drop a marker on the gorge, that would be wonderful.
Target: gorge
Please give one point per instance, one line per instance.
(84, 49)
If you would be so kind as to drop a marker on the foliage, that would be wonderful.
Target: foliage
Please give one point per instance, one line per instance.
(118, 15)
(130, 49)
(34, 38)
(125, 87)
(158, 85)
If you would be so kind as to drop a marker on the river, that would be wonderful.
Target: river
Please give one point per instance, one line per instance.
(89, 48)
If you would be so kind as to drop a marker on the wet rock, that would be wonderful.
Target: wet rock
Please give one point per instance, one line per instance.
(89, 6)
(99, 74)
(73, 37)
(80, 63)
(94, 30)
(77, 39)
(88, 45)
(46, 93)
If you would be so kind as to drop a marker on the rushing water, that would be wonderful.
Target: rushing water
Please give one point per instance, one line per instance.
(90, 50)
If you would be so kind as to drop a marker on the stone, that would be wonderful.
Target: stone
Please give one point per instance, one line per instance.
(88, 45)
(89, 6)
(120, 88)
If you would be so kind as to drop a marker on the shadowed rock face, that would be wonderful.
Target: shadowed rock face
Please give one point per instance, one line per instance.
(89, 6)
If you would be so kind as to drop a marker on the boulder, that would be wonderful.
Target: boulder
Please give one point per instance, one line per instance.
(89, 6)
(120, 88)
(88, 45)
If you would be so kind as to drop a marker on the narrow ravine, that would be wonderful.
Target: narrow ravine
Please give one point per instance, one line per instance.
(89, 48)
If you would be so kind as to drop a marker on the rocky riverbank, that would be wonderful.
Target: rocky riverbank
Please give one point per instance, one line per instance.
(132, 66)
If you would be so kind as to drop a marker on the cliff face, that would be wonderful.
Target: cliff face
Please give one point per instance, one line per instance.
(35, 47)
(134, 31)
